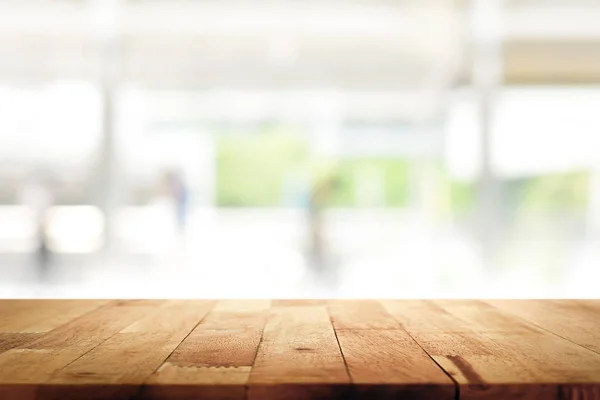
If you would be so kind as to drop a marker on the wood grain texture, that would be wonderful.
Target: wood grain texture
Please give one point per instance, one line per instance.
(34, 316)
(298, 357)
(495, 355)
(560, 317)
(222, 339)
(119, 366)
(12, 340)
(390, 364)
(175, 382)
(360, 314)
(298, 303)
(299, 349)
(32, 364)
(215, 360)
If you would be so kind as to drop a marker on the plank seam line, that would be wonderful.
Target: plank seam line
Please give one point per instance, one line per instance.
(66, 308)
(539, 326)
(456, 385)
(93, 347)
(262, 335)
(145, 382)
(337, 339)
(77, 318)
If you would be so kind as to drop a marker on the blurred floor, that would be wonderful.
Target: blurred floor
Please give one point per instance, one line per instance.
(250, 261)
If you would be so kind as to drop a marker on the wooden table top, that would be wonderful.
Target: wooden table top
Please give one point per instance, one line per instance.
(299, 349)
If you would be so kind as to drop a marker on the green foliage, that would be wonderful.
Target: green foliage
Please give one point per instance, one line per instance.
(551, 194)
(392, 172)
(456, 198)
(255, 170)
(462, 196)
(252, 169)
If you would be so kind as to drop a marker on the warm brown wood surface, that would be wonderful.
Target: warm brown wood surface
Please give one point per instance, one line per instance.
(299, 349)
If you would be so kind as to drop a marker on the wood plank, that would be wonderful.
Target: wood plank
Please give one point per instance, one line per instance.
(11, 340)
(579, 392)
(73, 309)
(175, 382)
(93, 328)
(222, 340)
(560, 317)
(242, 306)
(298, 357)
(385, 364)
(360, 314)
(298, 302)
(43, 315)
(288, 349)
(467, 316)
(9, 308)
(590, 304)
(22, 371)
(214, 361)
(493, 355)
(26, 366)
(13, 311)
(119, 366)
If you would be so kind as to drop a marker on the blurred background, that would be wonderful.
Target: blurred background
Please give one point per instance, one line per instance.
(299, 148)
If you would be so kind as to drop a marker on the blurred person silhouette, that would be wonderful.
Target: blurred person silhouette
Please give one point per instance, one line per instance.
(178, 193)
(321, 194)
(38, 196)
